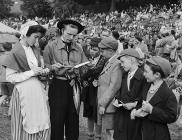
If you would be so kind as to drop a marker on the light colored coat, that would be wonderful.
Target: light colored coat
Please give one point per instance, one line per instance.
(109, 83)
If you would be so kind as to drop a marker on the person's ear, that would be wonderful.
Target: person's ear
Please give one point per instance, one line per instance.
(62, 30)
(158, 75)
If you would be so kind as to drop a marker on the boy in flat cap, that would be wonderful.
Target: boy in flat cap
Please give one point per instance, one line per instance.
(158, 106)
(109, 83)
(129, 95)
(60, 56)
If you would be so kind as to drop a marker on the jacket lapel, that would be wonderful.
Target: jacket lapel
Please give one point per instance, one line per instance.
(108, 65)
(158, 95)
(137, 76)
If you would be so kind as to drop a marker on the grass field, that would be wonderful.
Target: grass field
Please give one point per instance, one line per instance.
(176, 132)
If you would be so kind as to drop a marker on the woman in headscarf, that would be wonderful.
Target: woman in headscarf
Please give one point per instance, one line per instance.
(28, 107)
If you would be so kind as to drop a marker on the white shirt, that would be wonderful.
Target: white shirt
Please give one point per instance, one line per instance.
(130, 76)
(120, 47)
(14, 77)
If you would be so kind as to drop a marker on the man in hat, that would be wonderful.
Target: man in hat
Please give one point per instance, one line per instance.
(60, 56)
(109, 84)
(126, 100)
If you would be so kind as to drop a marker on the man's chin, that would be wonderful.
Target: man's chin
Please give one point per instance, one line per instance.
(125, 69)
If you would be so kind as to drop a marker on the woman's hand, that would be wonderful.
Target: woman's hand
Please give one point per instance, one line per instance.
(147, 107)
(129, 106)
(37, 70)
(45, 71)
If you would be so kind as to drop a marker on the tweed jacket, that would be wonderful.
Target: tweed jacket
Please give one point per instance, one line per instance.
(109, 83)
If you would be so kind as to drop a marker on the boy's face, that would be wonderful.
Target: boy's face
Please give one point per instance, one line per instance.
(148, 73)
(126, 63)
(94, 51)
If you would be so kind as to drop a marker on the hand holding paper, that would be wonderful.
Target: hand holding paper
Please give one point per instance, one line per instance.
(117, 103)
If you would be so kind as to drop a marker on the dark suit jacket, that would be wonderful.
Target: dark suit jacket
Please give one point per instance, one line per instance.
(124, 127)
(154, 126)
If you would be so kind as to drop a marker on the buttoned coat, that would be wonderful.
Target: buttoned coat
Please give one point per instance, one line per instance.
(154, 126)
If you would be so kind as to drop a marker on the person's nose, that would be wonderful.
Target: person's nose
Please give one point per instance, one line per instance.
(71, 37)
(36, 42)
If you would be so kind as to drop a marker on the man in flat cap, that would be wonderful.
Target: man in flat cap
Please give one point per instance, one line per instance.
(129, 95)
(109, 83)
(60, 56)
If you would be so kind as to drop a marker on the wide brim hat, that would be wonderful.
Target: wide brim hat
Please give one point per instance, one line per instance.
(61, 24)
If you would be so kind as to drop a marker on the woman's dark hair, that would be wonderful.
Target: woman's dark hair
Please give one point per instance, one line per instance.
(36, 29)
(139, 38)
(115, 34)
(156, 69)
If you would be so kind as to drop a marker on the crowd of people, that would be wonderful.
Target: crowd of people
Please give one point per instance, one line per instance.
(124, 66)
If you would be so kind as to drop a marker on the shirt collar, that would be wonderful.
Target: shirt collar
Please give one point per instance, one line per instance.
(61, 45)
(110, 59)
(133, 72)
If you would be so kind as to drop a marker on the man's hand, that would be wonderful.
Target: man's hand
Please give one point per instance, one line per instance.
(56, 66)
(101, 110)
(95, 83)
(132, 115)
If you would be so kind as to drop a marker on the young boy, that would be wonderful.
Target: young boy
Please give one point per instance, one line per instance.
(126, 100)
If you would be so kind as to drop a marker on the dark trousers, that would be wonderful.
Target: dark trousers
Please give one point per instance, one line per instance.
(63, 115)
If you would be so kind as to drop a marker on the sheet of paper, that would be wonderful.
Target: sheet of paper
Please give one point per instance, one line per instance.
(115, 103)
(82, 64)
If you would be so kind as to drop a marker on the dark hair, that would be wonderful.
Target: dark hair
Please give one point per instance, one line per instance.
(36, 29)
(139, 38)
(122, 39)
(173, 32)
(115, 34)
(7, 46)
(155, 69)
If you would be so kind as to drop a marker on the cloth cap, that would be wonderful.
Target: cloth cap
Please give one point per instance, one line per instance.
(129, 52)
(95, 41)
(162, 63)
(108, 43)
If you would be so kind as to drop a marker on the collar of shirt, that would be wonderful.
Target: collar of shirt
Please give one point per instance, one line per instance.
(131, 74)
(110, 59)
(62, 45)
(95, 60)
